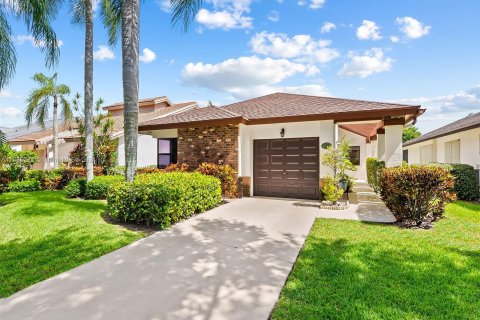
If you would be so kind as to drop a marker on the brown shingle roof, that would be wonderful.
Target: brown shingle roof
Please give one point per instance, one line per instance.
(147, 101)
(283, 107)
(280, 105)
(194, 116)
(467, 123)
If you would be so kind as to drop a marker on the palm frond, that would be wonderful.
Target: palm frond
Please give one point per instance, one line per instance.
(8, 56)
(38, 15)
(41, 111)
(63, 89)
(111, 14)
(184, 11)
(77, 11)
(67, 113)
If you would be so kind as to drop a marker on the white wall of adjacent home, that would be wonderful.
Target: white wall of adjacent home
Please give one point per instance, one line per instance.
(462, 147)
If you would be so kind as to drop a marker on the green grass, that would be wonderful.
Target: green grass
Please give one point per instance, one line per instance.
(355, 270)
(43, 234)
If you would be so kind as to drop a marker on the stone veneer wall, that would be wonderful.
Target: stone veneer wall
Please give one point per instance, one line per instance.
(217, 145)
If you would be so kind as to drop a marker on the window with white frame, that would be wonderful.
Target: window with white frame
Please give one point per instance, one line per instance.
(426, 154)
(452, 151)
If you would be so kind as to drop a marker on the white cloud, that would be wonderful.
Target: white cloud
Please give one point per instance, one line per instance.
(369, 30)
(274, 16)
(312, 4)
(466, 101)
(10, 112)
(327, 27)
(6, 94)
(147, 56)
(164, 5)
(245, 76)
(301, 47)
(21, 39)
(363, 65)
(227, 14)
(412, 28)
(103, 53)
(394, 39)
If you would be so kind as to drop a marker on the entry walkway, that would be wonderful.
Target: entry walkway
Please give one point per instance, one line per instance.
(365, 205)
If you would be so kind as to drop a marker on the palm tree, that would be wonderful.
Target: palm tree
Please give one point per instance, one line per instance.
(125, 15)
(82, 13)
(37, 16)
(38, 105)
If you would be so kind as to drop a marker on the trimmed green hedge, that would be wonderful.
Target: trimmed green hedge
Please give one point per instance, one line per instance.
(76, 188)
(374, 171)
(466, 185)
(24, 186)
(99, 186)
(163, 198)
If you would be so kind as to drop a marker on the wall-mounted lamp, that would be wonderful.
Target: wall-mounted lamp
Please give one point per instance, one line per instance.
(282, 132)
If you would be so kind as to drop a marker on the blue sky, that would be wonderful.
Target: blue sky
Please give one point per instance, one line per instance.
(420, 52)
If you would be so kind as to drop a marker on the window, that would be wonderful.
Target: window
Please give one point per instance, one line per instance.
(405, 155)
(426, 154)
(167, 152)
(452, 151)
(355, 155)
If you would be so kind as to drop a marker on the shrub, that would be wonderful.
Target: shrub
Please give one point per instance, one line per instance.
(76, 188)
(98, 187)
(163, 198)
(175, 167)
(374, 169)
(52, 180)
(146, 170)
(4, 180)
(466, 185)
(225, 173)
(417, 192)
(20, 161)
(24, 186)
(331, 191)
(38, 175)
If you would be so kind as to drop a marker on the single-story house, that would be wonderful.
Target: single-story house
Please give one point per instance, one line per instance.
(40, 140)
(276, 142)
(457, 142)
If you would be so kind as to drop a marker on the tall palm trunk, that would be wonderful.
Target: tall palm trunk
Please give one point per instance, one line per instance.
(55, 132)
(130, 47)
(88, 88)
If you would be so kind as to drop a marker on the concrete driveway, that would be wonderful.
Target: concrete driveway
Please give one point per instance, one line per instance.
(229, 263)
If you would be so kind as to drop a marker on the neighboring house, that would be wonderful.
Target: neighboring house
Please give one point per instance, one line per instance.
(276, 142)
(457, 142)
(40, 140)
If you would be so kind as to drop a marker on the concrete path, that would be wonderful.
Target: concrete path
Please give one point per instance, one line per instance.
(229, 263)
(365, 205)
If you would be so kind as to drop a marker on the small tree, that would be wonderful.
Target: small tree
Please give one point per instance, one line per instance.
(338, 159)
(410, 133)
(104, 147)
(19, 162)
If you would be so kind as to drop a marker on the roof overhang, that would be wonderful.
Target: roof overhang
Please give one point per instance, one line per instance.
(466, 128)
(400, 115)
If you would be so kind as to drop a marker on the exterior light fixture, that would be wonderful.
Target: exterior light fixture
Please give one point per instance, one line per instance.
(282, 132)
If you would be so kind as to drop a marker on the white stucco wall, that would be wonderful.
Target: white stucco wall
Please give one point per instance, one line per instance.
(146, 151)
(469, 148)
(64, 150)
(356, 140)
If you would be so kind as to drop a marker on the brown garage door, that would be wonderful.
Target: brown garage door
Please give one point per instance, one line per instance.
(287, 168)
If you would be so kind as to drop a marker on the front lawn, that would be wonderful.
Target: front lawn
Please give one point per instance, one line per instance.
(43, 234)
(355, 270)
